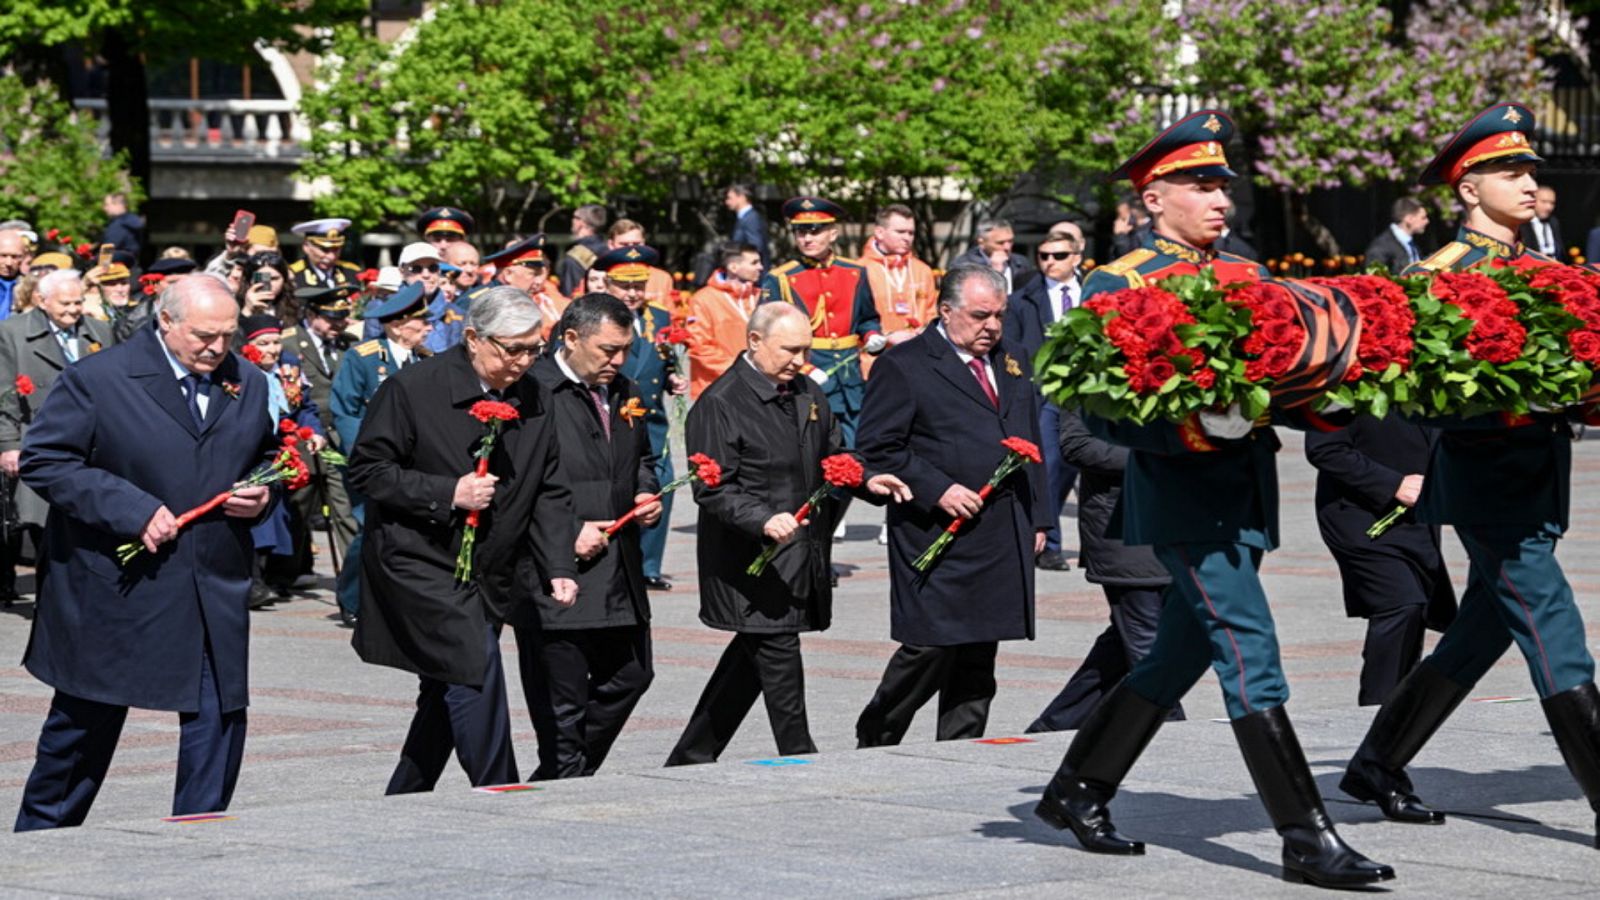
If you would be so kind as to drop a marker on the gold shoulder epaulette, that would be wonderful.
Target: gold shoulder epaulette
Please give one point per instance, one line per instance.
(582, 255)
(368, 348)
(421, 350)
(785, 268)
(347, 264)
(291, 331)
(1445, 257)
(1129, 263)
(298, 265)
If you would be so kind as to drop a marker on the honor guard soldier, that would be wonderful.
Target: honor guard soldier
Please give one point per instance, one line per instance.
(404, 317)
(444, 225)
(652, 368)
(1505, 483)
(525, 265)
(1204, 494)
(837, 294)
(319, 264)
(320, 340)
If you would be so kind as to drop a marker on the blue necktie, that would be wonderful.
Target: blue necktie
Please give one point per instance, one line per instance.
(191, 391)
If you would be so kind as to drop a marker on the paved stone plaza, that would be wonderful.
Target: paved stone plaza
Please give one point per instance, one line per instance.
(921, 819)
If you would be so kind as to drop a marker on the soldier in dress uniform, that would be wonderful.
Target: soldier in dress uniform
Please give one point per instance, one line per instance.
(320, 340)
(525, 265)
(1204, 494)
(652, 368)
(1505, 483)
(444, 225)
(903, 287)
(404, 316)
(320, 265)
(658, 289)
(837, 294)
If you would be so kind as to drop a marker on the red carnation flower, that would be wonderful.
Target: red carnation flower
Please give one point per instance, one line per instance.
(486, 410)
(287, 426)
(706, 469)
(52, 234)
(842, 470)
(85, 250)
(1024, 448)
(24, 386)
(251, 352)
(305, 433)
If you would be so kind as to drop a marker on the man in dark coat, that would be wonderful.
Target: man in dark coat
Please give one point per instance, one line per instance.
(585, 666)
(1398, 581)
(749, 227)
(414, 463)
(1396, 247)
(937, 409)
(1133, 579)
(769, 431)
(170, 629)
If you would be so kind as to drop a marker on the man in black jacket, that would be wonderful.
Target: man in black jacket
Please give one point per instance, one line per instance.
(414, 463)
(1398, 581)
(1396, 246)
(769, 431)
(585, 666)
(1133, 579)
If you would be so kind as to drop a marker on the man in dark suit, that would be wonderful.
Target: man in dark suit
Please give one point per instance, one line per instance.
(749, 226)
(39, 344)
(937, 409)
(1029, 314)
(769, 428)
(585, 666)
(1542, 233)
(170, 629)
(1396, 246)
(1397, 582)
(414, 463)
(993, 250)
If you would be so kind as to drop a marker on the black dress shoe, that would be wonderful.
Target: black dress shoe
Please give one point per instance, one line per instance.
(657, 583)
(833, 577)
(261, 596)
(1054, 560)
(347, 618)
(9, 596)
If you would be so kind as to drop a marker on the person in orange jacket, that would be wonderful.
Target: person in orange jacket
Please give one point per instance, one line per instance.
(719, 314)
(903, 287)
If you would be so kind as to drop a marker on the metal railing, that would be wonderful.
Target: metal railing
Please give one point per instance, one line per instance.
(242, 129)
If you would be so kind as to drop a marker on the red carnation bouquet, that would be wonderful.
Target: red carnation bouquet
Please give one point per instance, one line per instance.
(1377, 376)
(1018, 452)
(493, 414)
(841, 470)
(702, 468)
(1578, 292)
(286, 467)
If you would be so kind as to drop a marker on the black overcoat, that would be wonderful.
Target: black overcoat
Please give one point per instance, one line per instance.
(1359, 468)
(771, 462)
(927, 420)
(1105, 559)
(416, 441)
(604, 476)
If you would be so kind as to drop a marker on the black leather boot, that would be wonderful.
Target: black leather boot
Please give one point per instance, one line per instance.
(1312, 851)
(1416, 709)
(1575, 721)
(1100, 755)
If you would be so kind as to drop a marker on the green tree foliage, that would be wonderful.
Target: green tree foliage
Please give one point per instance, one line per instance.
(51, 170)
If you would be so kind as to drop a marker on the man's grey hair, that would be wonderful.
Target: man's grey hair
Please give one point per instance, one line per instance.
(54, 281)
(768, 315)
(952, 292)
(503, 311)
(175, 298)
(988, 225)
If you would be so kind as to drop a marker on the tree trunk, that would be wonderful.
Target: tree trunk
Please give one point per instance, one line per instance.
(128, 105)
(1326, 242)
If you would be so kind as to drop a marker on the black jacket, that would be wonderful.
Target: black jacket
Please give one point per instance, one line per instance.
(604, 476)
(1530, 238)
(771, 463)
(1387, 250)
(416, 441)
(1359, 468)
(1104, 557)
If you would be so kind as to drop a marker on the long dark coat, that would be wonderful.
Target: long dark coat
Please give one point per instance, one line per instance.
(1104, 557)
(29, 347)
(1359, 468)
(114, 442)
(927, 420)
(416, 442)
(770, 463)
(604, 477)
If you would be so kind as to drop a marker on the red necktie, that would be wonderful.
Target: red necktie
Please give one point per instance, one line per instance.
(976, 365)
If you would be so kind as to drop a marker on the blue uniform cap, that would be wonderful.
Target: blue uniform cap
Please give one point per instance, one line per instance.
(1498, 134)
(1194, 145)
(409, 302)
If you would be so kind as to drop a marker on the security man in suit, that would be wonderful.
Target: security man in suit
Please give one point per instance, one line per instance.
(652, 368)
(404, 317)
(585, 666)
(1204, 494)
(185, 419)
(321, 341)
(1398, 581)
(1505, 483)
(444, 225)
(837, 294)
(319, 264)
(1395, 247)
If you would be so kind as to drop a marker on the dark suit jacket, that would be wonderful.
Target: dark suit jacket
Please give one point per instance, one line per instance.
(1021, 269)
(1359, 469)
(113, 443)
(1105, 559)
(416, 441)
(1029, 316)
(927, 420)
(604, 475)
(1531, 240)
(29, 347)
(1387, 250)
(751, 228)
